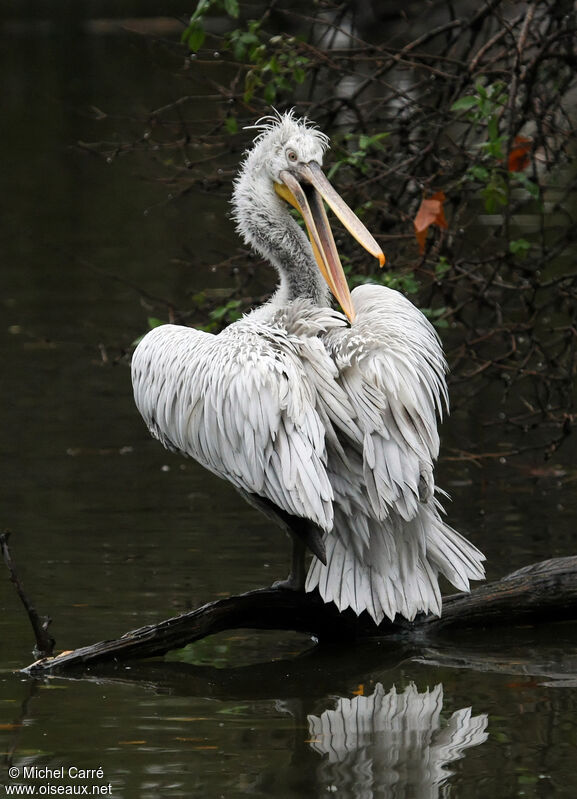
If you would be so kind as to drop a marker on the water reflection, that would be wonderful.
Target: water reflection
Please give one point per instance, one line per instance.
(392, 742)
(285, 728)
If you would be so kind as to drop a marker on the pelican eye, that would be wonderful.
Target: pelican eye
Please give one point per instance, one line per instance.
(292, 156)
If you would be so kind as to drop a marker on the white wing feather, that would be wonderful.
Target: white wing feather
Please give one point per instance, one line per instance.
(389, 543)
(239, 403)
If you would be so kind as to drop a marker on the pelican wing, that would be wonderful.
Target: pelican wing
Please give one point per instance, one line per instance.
(388, 541)
(392, 368)
(241, 404)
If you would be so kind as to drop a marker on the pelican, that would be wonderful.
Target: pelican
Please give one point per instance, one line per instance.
(326, 422)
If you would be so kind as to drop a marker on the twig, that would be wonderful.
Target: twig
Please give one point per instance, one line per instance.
(44, 641)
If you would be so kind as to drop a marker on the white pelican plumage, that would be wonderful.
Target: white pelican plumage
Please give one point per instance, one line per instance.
(328, 425)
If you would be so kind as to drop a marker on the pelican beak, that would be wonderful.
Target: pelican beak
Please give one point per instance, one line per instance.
(308, 200)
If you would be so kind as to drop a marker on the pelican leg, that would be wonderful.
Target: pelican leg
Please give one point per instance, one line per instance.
(304, 535)
(296, 579)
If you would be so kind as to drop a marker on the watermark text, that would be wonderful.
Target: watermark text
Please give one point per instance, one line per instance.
(57, 781)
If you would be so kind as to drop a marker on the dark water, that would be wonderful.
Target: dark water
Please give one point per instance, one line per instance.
(110, 532)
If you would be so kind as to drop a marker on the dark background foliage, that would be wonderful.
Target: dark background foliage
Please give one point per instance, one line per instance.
(477, 110)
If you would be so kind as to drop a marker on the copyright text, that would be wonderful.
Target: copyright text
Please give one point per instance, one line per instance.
(49, 778)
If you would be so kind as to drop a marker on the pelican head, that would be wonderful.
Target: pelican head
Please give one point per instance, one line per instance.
(289, 152)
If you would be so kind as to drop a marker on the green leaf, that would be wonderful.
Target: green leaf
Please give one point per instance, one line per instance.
(231, 125)
(238, 50)
(376, 140)
(479, 172)
(270, 93)
(299, 75)
(194, 36)
(257, 52)
(493, 128)
(494, 194)
(481, 91)
(520, 247)
(202, 7)
(251, 81)
(494, 147)
(272, 66)
(529, 185)
(496, 92)
(442, 268)
(249, 38)
(228, 312)
(402, 282)
(333, 170)
(364, 142)
(232, 8)
(465, 103)
(198, 299)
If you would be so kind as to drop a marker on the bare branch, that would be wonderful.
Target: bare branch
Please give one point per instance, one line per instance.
(44, 641)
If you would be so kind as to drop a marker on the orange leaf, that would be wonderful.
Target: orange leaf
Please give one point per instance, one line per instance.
(518, 157)
(189, 740)
(431, 212)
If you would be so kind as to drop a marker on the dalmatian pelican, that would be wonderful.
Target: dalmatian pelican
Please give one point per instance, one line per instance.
(327, 422)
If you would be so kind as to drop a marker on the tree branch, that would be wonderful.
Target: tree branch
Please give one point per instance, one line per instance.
(44, 642)
(546, 591)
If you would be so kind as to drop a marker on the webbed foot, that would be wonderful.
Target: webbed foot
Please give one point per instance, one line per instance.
(290, 584)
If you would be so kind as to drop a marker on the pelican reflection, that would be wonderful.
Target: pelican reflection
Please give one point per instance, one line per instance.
(392, 744)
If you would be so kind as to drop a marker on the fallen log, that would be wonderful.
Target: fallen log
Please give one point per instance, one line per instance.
(543, 592)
